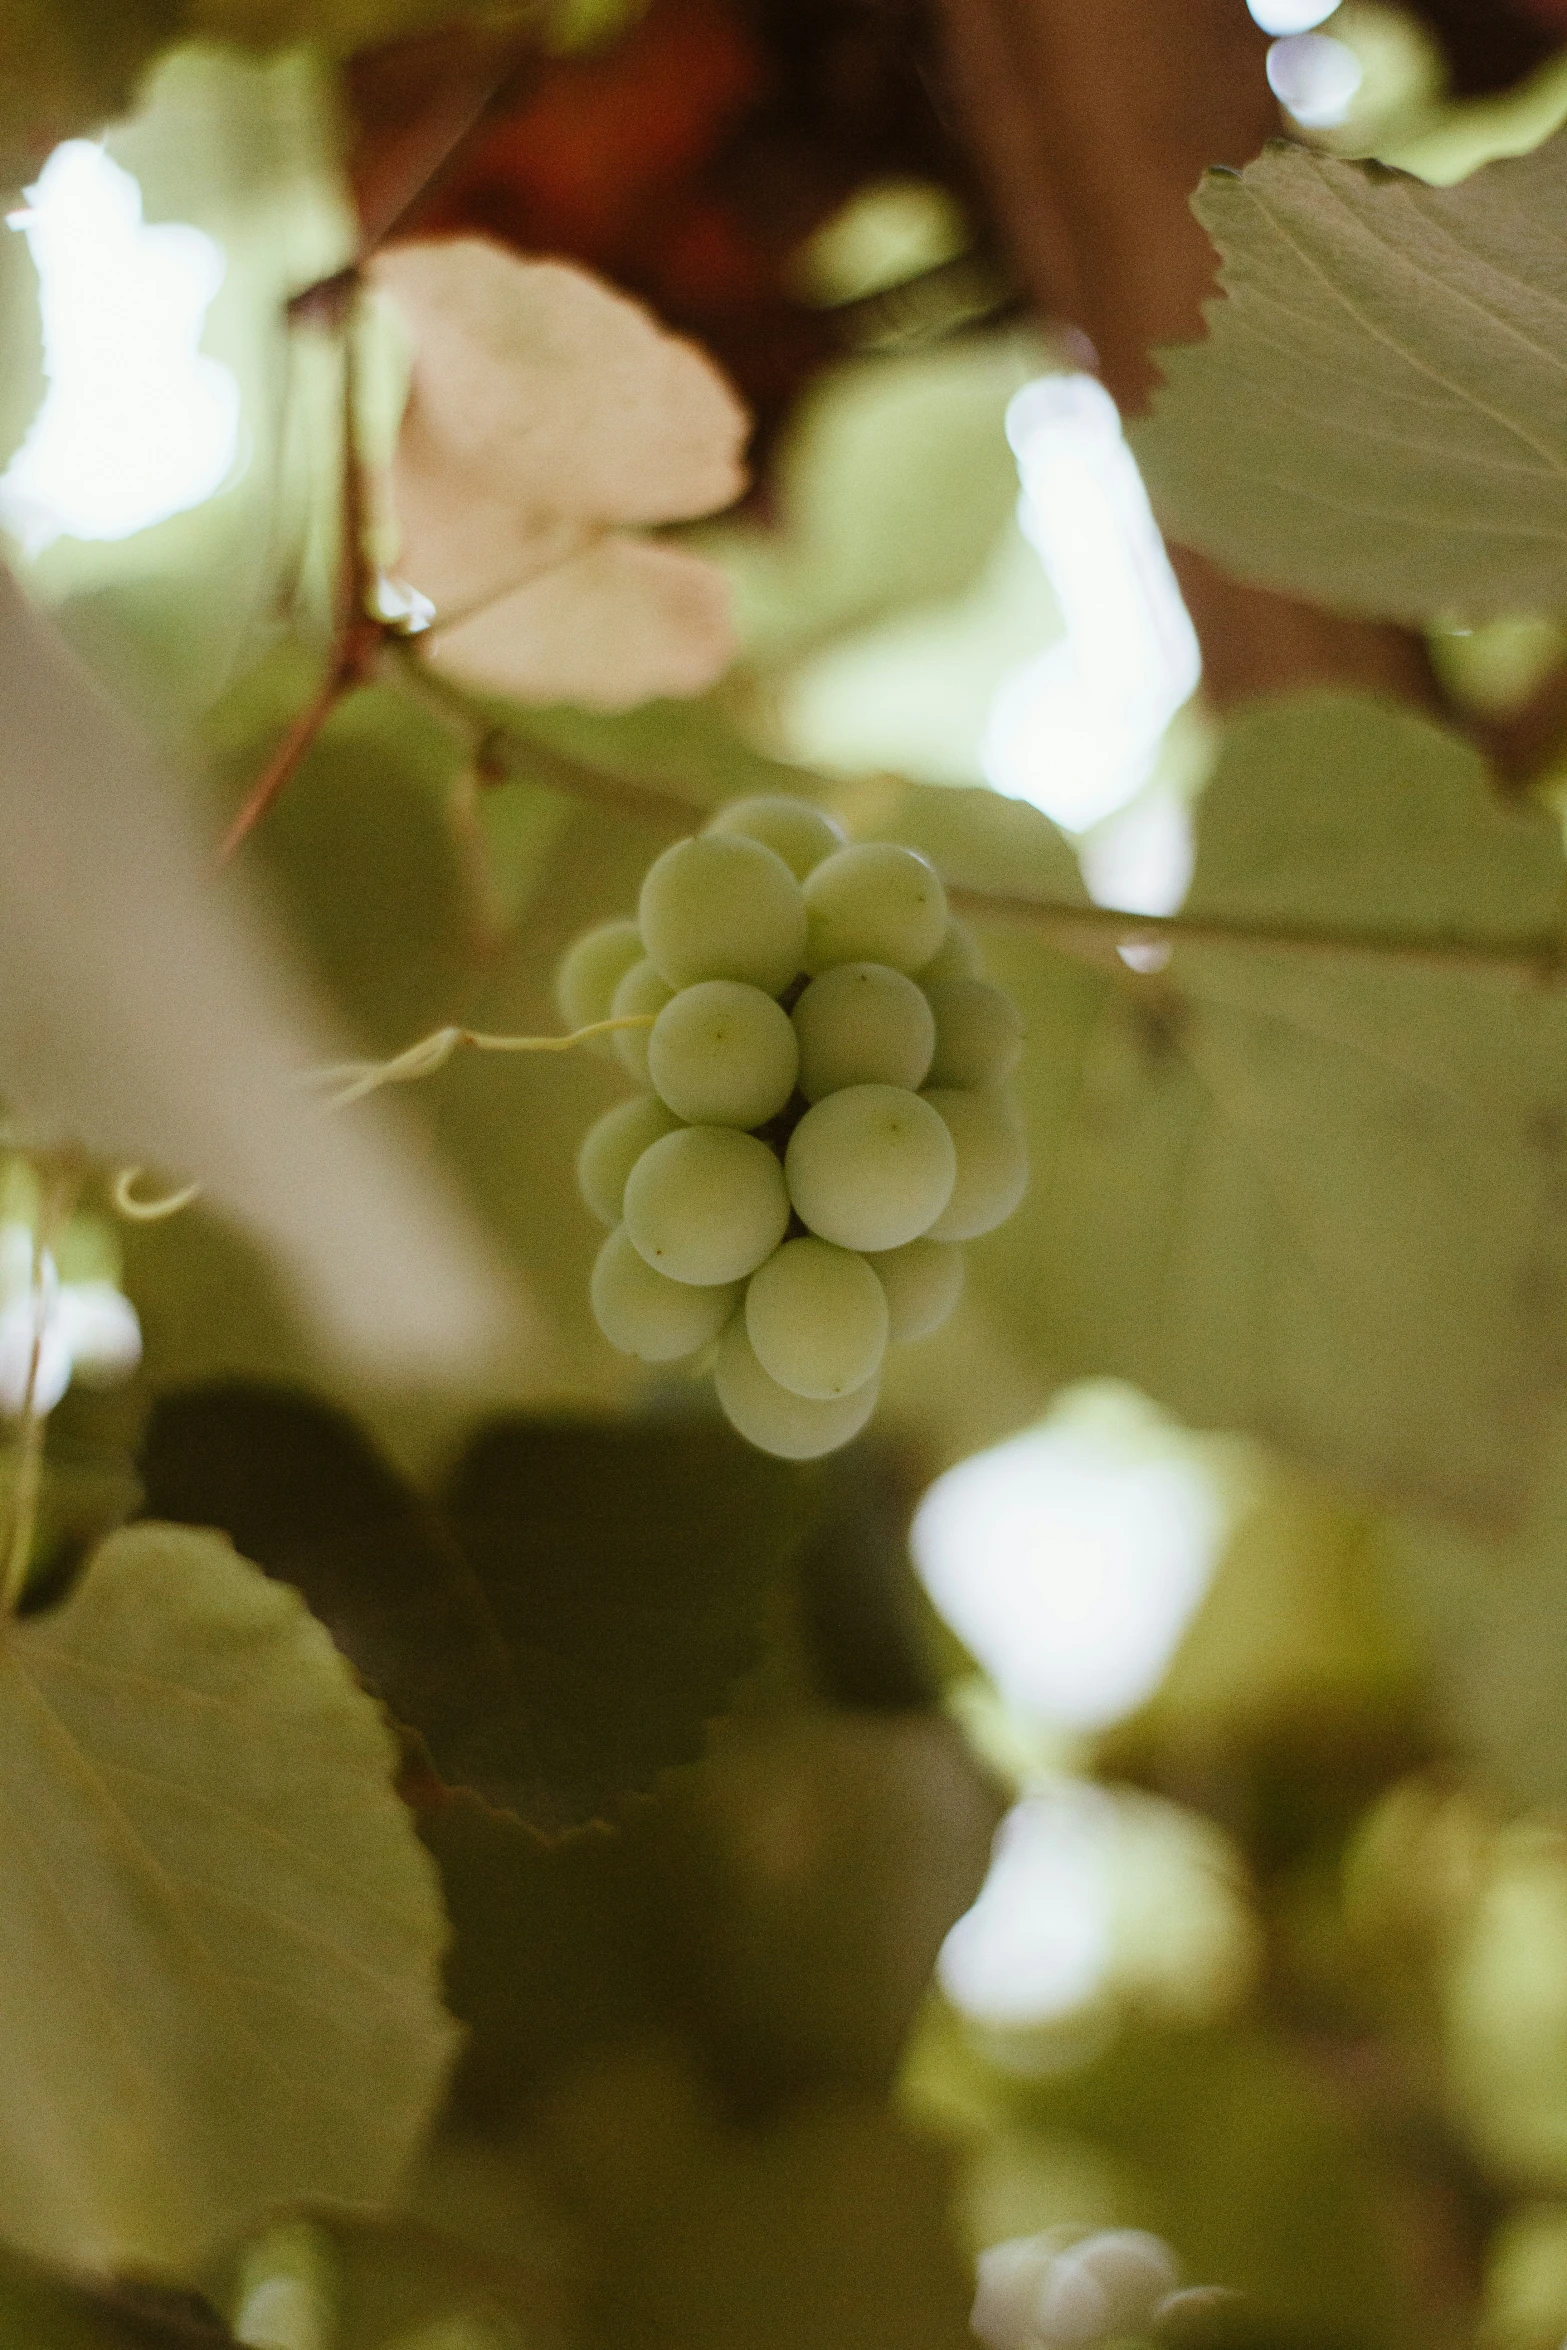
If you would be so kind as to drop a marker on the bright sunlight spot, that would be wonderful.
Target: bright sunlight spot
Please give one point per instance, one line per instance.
(136, 424)
(1291, 16)
(1036, 1945)
(1077, 730)
(1094, 1894)
(1071, 1558)
(77, 1326)
(1315, 78)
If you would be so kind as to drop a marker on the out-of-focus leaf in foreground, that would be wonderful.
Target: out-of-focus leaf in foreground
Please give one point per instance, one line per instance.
(145, 1016)
(1368, 423)
(220, 1946)
(546, 412)
(560, 1630)
(48, 2311)
(1319, 1196)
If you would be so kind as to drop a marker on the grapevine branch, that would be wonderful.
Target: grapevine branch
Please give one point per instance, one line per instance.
(1542, 957)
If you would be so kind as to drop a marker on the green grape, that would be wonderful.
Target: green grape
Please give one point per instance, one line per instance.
(992, 1161)
(816, 1317)
(863, 1024)
(792, 829)
(645, 1313)
(958, 956)
(874, 903)
(870, 1167)
(923, 1281)
(641, 990)
(612, 1147)
(591, 969)
(706, 1204)
(723, 907)
(979, 1033)
(723, 1054)
(770, 1417)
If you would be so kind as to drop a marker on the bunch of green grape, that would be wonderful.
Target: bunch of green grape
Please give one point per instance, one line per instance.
(825, 1119)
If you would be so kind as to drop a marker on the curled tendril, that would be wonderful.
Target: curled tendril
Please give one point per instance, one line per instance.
(346, 1082)
(350, 1081)
(148, 1211)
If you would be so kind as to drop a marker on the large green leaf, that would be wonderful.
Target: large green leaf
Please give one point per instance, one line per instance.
(1375, 418)
(219, 1944)
(560, 1630)
(1321, 1198)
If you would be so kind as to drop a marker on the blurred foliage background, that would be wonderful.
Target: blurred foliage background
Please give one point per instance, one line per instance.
(1178, 1845)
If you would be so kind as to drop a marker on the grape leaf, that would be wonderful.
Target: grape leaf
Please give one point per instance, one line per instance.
(1372, 420)
(1321, 1199)
(220, 1942)
(560, 1630)
(1489, 1616)
(545, 411)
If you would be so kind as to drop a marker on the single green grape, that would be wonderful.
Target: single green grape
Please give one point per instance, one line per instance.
(870, 1167)
(707, 1204)
(588, 974)
(612, 1146)
(992, 1161)
(792, 829)
(794, 1427)
(874, 903)
(641, 990)
(957, 957)
(723, 907)
(646, 1314)
(591, 969)
(979, 1033)
(816, 1317)
(863, 1024)
(723, 1054)
(923, 1281)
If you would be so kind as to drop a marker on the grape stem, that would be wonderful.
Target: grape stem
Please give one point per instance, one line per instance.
(350, 1081)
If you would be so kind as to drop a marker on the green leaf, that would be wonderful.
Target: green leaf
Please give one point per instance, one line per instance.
(1489, 1615)
(220, 1939)
(561, 1630)
(1373, 421)
(1319, 1198)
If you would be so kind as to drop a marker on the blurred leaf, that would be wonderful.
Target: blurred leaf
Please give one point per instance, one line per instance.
(66, 66)
(1222, 2141)
(891, 492)
(1318, 1198)
(820, 1862)
(42, 2310)
(542, 398)
(148, 1017)
(1369, 423)
(912, 691)
(221, 1939)
(628, 1565)
(825, 2224)
(399, 2282)
(1489, 1614)
(560, 1632)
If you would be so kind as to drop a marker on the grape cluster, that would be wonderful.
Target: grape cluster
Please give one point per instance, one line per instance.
(825, 1120)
